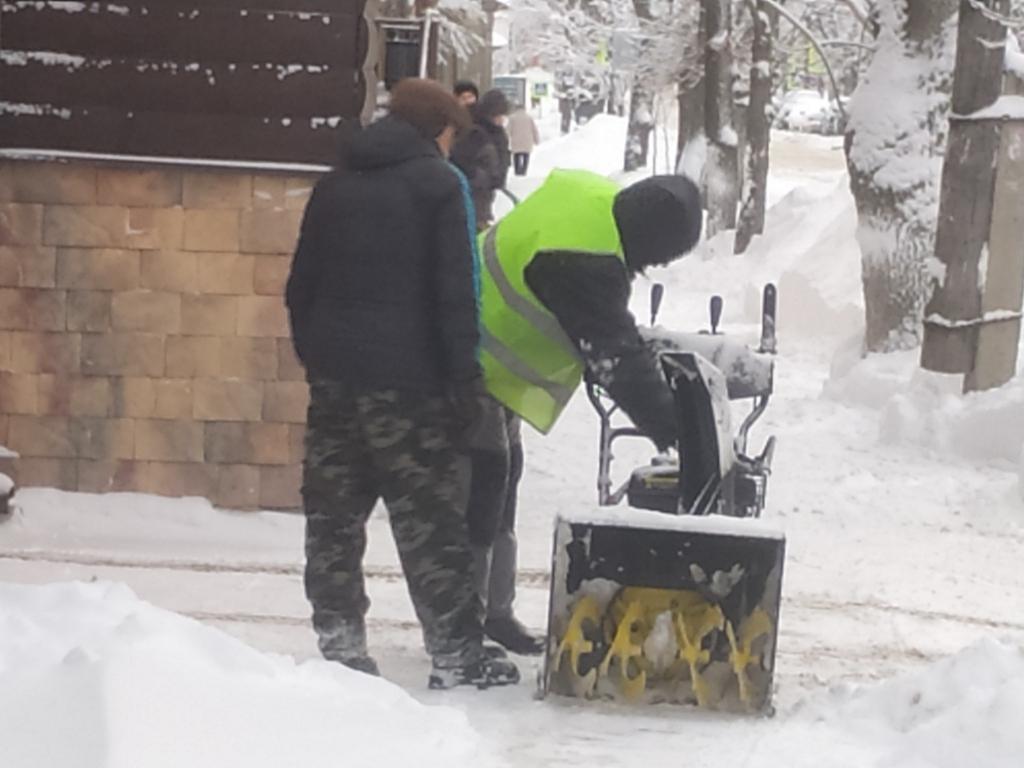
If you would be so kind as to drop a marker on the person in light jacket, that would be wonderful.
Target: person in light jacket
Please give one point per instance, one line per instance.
(523, 136)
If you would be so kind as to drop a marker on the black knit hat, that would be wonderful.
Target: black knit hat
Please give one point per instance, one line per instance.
(492, 104)
(659, 220)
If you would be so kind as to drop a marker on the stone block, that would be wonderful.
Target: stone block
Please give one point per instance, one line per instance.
(32, 309)
(133, 396)
(263, 316)
(47, 182)
(64, 395)
(85, 226)
(155, 228)
(103, 438)
(178, 478)
(207, 315)
(103, 269)
(226, 273)
(108, 476)
(168, 440)
(271, 275)
(296, 443)
(28, 266)
(289, 368)
(19, 393)
(298, 190)
(34, 472)
(143, 187)
(42, 436)
(45, 352)
(174, 399)
(286, 401)
(227, 400)
(207, 230)
(123, 354)
(238, 487)
(269, 231)
(146, 311)
(21, 224)
(248, 358)
(217, 189)
(88, 311)
(5, 352)
(169, 271)
(190, 357)
(281, 487)
(246, 443)
(269, 191)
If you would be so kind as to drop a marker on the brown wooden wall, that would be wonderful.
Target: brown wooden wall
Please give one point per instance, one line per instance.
(257, 80)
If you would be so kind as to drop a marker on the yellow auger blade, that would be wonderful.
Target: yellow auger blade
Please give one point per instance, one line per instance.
(758, 624)
(575, 644)
(692, 626)
(625, 647)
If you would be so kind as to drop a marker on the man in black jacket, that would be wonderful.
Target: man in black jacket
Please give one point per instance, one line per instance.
(383, 313)
(483, 154)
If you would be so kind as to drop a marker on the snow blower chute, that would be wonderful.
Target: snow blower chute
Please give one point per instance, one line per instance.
(676, 599)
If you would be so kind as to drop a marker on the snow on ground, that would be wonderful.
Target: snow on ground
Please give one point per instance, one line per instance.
(94, 678)
(902, 512)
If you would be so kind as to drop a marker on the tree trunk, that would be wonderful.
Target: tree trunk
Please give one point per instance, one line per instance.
(895, 141)
(755, 193)
(722, 162)
(953, 317)
(690, 143)
(641, 99)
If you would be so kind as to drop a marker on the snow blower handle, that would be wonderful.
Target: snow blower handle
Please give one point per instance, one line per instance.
(716, 313)
(657, 294)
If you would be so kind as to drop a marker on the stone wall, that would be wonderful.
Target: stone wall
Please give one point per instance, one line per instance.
(144, 342)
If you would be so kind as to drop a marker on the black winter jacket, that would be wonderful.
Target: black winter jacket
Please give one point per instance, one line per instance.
(381, 290)
(483, 155)
(590, 297)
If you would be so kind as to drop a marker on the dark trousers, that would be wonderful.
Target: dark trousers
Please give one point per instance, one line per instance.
(521, 161)
(362, 446)
(496, 453)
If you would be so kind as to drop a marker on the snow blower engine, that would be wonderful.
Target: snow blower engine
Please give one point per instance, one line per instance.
(676, 599)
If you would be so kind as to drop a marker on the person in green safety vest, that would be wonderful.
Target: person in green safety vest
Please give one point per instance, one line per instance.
(554, 307)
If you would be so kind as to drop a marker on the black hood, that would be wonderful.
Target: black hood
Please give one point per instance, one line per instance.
(387, 142)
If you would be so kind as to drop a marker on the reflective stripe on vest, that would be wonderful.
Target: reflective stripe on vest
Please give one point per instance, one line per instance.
(530, 364)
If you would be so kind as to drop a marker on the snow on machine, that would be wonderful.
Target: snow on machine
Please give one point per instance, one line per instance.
(676, 599)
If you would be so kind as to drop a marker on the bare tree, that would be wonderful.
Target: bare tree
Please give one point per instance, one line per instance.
(755, 185)
(641, 101)
(954, 315)
(722, 159)
(895, 141)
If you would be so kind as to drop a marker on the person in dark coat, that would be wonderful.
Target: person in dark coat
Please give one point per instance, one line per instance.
(383, 312)
(467, 93)
(483, 154)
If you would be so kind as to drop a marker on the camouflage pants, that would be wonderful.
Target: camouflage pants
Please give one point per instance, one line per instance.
(364, 446)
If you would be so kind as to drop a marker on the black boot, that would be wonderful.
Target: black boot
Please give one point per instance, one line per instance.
(513, 635)
(484, 673)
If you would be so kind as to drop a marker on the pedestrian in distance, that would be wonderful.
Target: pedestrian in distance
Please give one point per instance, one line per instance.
(467, 93)
(523, 136)
(483, 154)
(383, 311)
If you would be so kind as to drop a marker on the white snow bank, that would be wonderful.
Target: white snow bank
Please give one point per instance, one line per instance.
(965, 710)
(6, 485)
(1014, 57)
(92, 677)
(927, 409)
(808, 249)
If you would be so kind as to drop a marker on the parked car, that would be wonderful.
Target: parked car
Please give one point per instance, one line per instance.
(808, 112)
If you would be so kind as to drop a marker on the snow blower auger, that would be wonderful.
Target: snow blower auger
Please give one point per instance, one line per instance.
(676, 599)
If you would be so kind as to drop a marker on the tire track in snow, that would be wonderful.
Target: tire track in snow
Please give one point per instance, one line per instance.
(529, 578)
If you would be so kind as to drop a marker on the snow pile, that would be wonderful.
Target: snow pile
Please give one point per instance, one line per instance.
(929, 410)
(964, 710)
(92, 677)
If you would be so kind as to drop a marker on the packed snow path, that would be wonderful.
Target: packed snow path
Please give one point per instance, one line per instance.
(897, 556)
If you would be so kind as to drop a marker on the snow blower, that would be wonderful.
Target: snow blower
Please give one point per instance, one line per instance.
(676, 599)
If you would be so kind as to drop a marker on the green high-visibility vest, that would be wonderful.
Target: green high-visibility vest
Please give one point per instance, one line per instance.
(530, 364)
